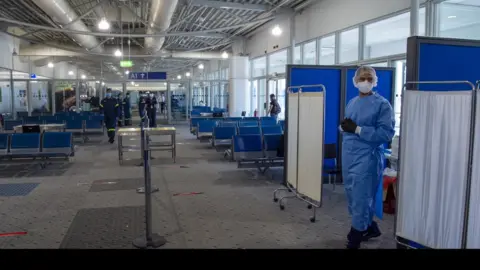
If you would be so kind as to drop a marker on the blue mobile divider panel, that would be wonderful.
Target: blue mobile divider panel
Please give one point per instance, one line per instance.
(441, 60)
(331, 78)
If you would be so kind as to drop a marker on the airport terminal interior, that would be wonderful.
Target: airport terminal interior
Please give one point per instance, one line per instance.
(222, 124)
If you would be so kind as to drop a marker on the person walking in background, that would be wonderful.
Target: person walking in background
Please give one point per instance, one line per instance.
(110, 109)
(274, 108)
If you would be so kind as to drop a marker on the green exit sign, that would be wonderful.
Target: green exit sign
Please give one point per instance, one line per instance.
(126, 63)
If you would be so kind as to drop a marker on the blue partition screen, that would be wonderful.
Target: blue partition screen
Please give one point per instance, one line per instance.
(384, 87)
(331, 79)
(441, 62)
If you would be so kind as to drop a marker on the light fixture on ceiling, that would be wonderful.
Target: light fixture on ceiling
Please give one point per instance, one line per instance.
(133, 83)
(187, 74)
(452, 17)
(50, 65)
(201, 66)
(84, 77)
(179, 77)
(103, 83)
(103, 24)
(127, 72)
(118, 53)
(224, 55)
(70, 73)
(276, 31)
(97, 82)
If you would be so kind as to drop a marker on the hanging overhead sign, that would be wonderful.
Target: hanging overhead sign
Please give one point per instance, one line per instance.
(126, 63)
(147, 76)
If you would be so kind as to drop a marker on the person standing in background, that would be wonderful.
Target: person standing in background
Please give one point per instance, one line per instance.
(152, 109)
(127, 109)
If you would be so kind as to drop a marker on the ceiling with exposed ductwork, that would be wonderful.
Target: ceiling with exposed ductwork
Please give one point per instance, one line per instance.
(163, 34)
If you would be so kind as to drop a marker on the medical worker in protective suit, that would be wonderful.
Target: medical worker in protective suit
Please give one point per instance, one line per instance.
(127, 113)
(369, 123)
(111, 110)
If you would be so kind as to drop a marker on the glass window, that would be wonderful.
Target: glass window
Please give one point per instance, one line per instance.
(5, 97)
(327, 50)
(40, 92)
(262, 96)
(297, 55)
(400, 78)
(459, 19)
(381, 64)
(277, 62)
(20, 106)
(349, 45)
(259, 67)
(310, 53)
(254, 102)
(389, 36)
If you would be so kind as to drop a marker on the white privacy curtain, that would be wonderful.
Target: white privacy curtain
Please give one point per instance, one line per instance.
(474, 210)
(434, 145)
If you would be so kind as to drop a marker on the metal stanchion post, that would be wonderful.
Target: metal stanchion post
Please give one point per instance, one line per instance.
(144, 149)
(149, 239)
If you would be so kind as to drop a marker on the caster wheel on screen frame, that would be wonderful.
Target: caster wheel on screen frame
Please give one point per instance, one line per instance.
(309, 206)
(282, 207)
(275, 200)
(312, 219)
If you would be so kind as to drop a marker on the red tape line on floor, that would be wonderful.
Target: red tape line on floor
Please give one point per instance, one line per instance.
(186, 194)
(12, 234)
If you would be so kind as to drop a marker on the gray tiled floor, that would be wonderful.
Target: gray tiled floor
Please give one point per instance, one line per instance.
(93, 204)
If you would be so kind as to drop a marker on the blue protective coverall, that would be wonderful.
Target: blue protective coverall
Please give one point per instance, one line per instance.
(362, 155)
(127, 110)
(152, 110)
(111, 110)
(142, 107)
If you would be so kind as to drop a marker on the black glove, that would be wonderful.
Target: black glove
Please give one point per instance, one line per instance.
(348, 125)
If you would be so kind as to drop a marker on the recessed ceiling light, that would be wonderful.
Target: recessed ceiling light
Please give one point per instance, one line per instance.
(452, 17)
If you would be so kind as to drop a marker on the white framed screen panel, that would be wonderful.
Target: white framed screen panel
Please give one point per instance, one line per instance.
(292, 139)
(434, 145)
(310, 148)
(473, 240)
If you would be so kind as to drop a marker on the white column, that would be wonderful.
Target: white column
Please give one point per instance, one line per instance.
(238, 84)
(414, 15)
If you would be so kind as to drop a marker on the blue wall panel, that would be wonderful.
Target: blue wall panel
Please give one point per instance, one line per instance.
(331, 79)
(438, 62)
(384, 87)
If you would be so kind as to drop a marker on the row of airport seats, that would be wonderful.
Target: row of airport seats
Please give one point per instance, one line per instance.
(205, 125)
(36, 145)
(198, 110)
(222, 135)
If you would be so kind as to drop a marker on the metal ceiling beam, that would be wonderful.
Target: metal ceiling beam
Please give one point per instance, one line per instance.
(230, 5)
(204, 33)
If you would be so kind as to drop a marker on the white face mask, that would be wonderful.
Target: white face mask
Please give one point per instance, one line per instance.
(364, 87)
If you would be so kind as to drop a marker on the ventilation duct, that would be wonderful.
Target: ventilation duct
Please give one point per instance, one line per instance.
(161, 12)
(61, 12)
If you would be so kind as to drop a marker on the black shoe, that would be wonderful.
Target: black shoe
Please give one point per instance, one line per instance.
(110, 140)
(354, 238)
(372, 232)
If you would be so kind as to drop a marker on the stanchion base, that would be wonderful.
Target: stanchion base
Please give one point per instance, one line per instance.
(142, 190)
(155, 242)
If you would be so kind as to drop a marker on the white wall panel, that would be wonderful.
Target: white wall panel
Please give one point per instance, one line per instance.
(322, 18)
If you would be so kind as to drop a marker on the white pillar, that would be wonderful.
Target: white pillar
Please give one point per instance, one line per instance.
(414, 15)
(238, 84)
